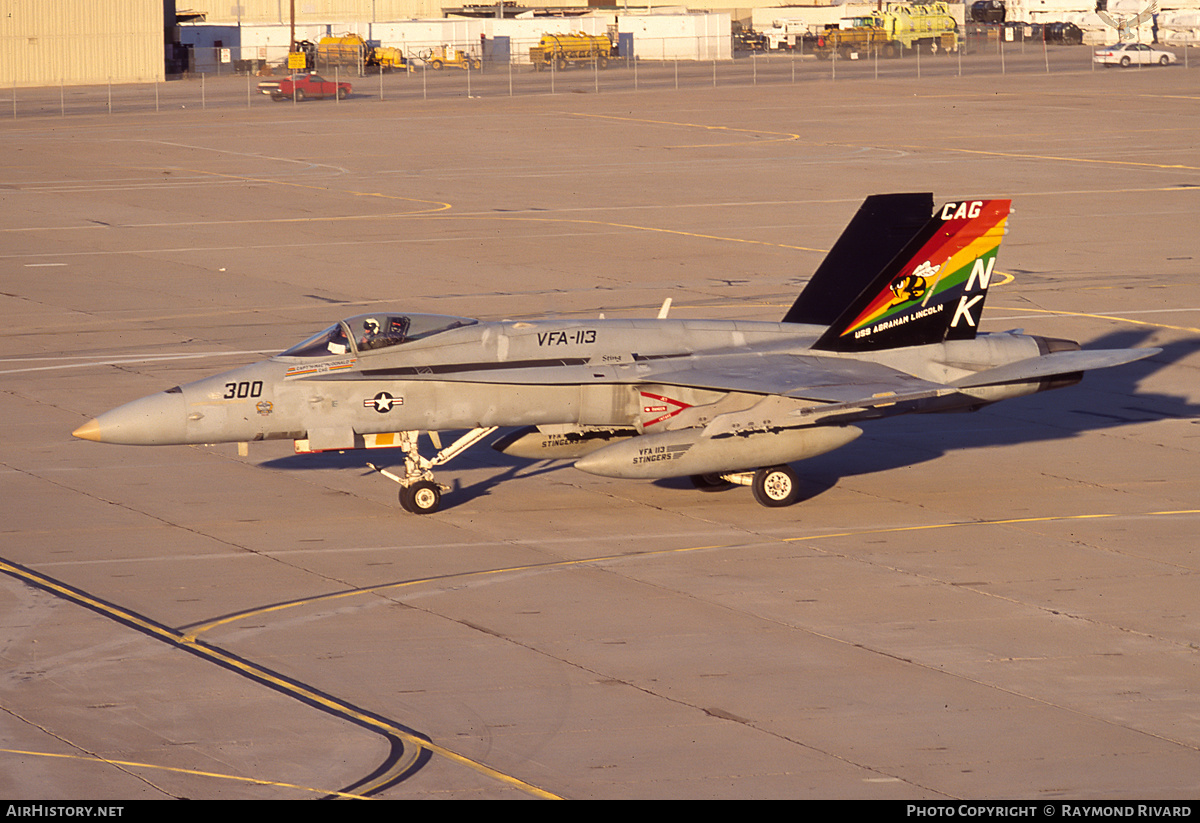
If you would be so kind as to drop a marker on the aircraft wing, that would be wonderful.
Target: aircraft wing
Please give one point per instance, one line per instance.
(800, 390)
(804, 377)
(859, 382)
(837, 383)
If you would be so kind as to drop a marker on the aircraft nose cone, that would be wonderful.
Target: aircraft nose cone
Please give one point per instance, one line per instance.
(88, 431)
(156, 420)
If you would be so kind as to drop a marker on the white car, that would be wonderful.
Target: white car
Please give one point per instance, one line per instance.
(1132, 54)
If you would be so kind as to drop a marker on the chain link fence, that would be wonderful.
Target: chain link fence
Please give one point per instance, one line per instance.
(222, 79)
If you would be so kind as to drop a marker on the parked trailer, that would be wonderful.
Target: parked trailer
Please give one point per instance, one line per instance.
(562, 50)
(347, 51)
(861, 36)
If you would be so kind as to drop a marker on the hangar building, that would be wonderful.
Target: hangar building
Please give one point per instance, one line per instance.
(69, 42)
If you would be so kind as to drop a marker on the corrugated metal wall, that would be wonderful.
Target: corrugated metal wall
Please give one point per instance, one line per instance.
(366, 11)
(48, 42)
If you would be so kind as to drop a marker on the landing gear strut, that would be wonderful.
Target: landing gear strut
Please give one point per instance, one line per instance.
(419, 492)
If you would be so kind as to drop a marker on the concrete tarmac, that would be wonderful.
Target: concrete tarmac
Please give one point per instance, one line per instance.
(992, 605)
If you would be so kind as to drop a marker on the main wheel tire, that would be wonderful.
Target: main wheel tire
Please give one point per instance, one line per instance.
(342, 94)
(710, 482)
(299, 95)
(436, 65)
(776, 486)
(1164, 61)
(423, 497)
(1125, 61)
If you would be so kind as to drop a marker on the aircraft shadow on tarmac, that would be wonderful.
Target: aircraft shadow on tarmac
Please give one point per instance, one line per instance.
(512, 468)
(1061, 414)
(912, 439)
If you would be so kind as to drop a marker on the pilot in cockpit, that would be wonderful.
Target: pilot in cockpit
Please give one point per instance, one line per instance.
(376, 335)
(370, 338)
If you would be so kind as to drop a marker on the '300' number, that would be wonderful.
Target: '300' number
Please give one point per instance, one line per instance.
(242, 390)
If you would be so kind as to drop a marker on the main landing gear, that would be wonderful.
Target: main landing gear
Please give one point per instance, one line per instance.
(774, 487)
(419, 492)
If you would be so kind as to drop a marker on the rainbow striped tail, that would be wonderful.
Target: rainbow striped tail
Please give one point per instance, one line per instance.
(933, 290)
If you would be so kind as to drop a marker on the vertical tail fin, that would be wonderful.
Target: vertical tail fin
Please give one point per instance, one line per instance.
(880, 230)
(933, 290)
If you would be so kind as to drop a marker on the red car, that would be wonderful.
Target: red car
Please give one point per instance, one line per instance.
(301, 86)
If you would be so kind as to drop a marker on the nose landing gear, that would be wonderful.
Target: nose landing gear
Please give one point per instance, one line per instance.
(419, 492)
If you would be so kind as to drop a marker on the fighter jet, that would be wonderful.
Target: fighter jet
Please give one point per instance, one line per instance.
(887, 325)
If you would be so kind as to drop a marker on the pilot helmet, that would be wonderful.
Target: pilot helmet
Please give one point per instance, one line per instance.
(371, 325)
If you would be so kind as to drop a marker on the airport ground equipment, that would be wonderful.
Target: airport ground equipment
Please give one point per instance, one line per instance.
(387, 58)
(559, 51)
(444, 56)
(898, 28)
(349, 51)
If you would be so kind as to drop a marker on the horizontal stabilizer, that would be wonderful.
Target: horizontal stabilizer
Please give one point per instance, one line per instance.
(1049, 365)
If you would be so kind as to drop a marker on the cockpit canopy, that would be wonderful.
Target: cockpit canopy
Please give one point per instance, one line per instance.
(375, 331)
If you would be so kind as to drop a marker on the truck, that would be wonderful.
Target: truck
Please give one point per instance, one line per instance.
(899, 27)
(559, 51)
(787, 34)
(299, 87)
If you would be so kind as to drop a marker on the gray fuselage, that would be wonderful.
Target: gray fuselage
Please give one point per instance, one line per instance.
(597, 373)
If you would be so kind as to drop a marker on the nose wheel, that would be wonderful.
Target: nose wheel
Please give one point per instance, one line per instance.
(422, 497)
